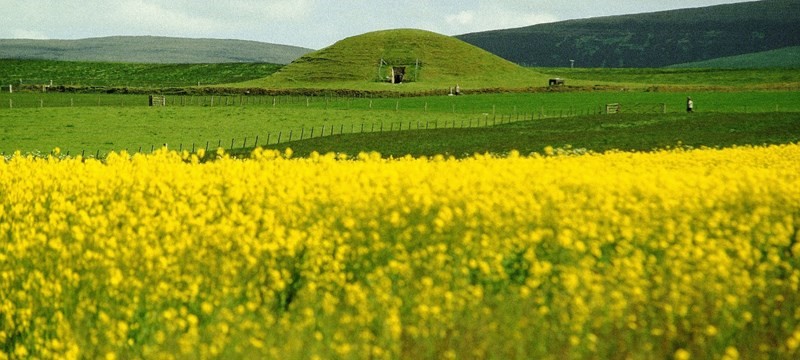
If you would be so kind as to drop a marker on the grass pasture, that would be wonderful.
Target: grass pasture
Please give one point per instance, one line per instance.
(597, 133)
(103, 74)
(665, 78)
(75, 123)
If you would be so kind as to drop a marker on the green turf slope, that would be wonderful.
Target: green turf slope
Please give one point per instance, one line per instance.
(431, 61)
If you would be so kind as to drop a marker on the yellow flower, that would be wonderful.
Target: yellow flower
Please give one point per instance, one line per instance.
(682, 354)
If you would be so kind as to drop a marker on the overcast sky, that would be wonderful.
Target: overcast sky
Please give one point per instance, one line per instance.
(308, 23)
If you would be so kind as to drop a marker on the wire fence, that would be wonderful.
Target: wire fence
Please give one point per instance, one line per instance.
(277, 138)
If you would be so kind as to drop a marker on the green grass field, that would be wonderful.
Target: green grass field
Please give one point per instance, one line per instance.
(596, 133)
(731, 79)
(97, 123)
(124, 122)
(69, 73)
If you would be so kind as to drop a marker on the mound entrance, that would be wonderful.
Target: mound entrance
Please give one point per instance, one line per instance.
(397, 71)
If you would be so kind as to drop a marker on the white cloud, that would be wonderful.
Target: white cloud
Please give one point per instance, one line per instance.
(462, 18)
(495, 17)
(28, 34)
(144, 16)
(283, 10)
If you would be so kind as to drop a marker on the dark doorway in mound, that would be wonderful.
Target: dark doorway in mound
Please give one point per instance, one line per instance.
(398, 73)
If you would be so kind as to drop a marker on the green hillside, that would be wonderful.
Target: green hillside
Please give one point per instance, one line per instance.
(429, 60)
(788, 57)
(650, 40)
(150, 49)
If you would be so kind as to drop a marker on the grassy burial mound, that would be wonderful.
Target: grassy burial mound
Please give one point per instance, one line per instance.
(417, 59)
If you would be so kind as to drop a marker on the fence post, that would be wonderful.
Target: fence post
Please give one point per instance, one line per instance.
(232, 143)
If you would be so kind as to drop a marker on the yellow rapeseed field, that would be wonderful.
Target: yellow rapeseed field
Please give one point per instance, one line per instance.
(685, 254)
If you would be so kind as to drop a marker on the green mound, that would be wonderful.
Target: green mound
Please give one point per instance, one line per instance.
(426, 60)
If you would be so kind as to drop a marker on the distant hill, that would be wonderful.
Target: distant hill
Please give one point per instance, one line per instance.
(428, 59)
(652, 39)
(150, 49)
(788, 57)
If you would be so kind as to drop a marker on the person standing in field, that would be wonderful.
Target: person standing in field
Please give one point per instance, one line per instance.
(689, 105)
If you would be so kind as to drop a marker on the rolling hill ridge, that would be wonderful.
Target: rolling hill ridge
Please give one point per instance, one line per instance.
(652, 39)
(150, 49)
